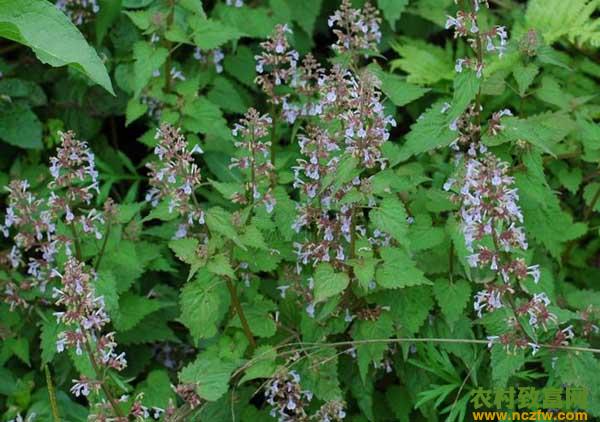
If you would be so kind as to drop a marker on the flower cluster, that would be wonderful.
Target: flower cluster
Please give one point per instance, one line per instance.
(84, 316)
(356, 29)
(175, 177)
(332, 411)
(317, 212)
(79, 11)
(306, 84)
(286, 397)
(73, 184)
(465, 25)
(276, 64)
(254, 159)
(490, 209)
(215, 57)
(366, 126)
(188, 393)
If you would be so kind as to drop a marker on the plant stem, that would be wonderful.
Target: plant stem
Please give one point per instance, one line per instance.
(235, 302)
(353, 233)
(103, 247)
(113, 403)
(451, 263)
(273, 142)
(169, 45)
(52, 395)
(590, 208)
(76, 240)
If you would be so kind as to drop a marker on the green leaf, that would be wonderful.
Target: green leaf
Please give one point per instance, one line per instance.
(219, 221)
(328, 283)
(187, 250)
(133, 309)
(390, 217)
(109, 12)
(135, 109)
(105, 285)
(422, 235)
(48, 336)
(229, 96)
(466, 87)
(258, 315)
(392, 9)
(204, 302)
(504, 364)
(432, 130)
(544, 130)
(544, 218)
(368, 353)
(590, 194)
(398, 270)
(305, 13)
(39, 25)
(256, 22)
(19, 126)
(210, 374)
(409, 307)
(157, 389)
(263, 364)
(124, 263)
(154, 329)
(364, 270)
(452, 298)
(573, 20)
(203, 116)
(425, 63)
(220, 265)
(209, 34)
(147, 60)
(524, 75)
(399, 91)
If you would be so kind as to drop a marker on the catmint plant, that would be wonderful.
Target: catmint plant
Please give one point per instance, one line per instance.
(490, 216)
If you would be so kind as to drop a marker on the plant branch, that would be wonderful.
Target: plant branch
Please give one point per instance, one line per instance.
(235, 302)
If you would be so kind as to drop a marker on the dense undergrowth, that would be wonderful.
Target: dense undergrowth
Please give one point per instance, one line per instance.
(284, 210)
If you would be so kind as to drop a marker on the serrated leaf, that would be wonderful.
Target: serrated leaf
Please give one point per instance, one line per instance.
(398, 270)
(425, 63)
(48, 336)
(133, 309)
(258, 315)
(210, 374)
(369, 353)
(504, 364)
(19, 126)
(452, 298)
(220, 265)
(219, 221)
(524, 75)
(392, 9)
(209, 34)
(432, 130)
(364, 270)
(328, 283)
(390, 217)
(305, 13)
(147, 60)
(157, 389)
(263, 364)
(204, 302)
